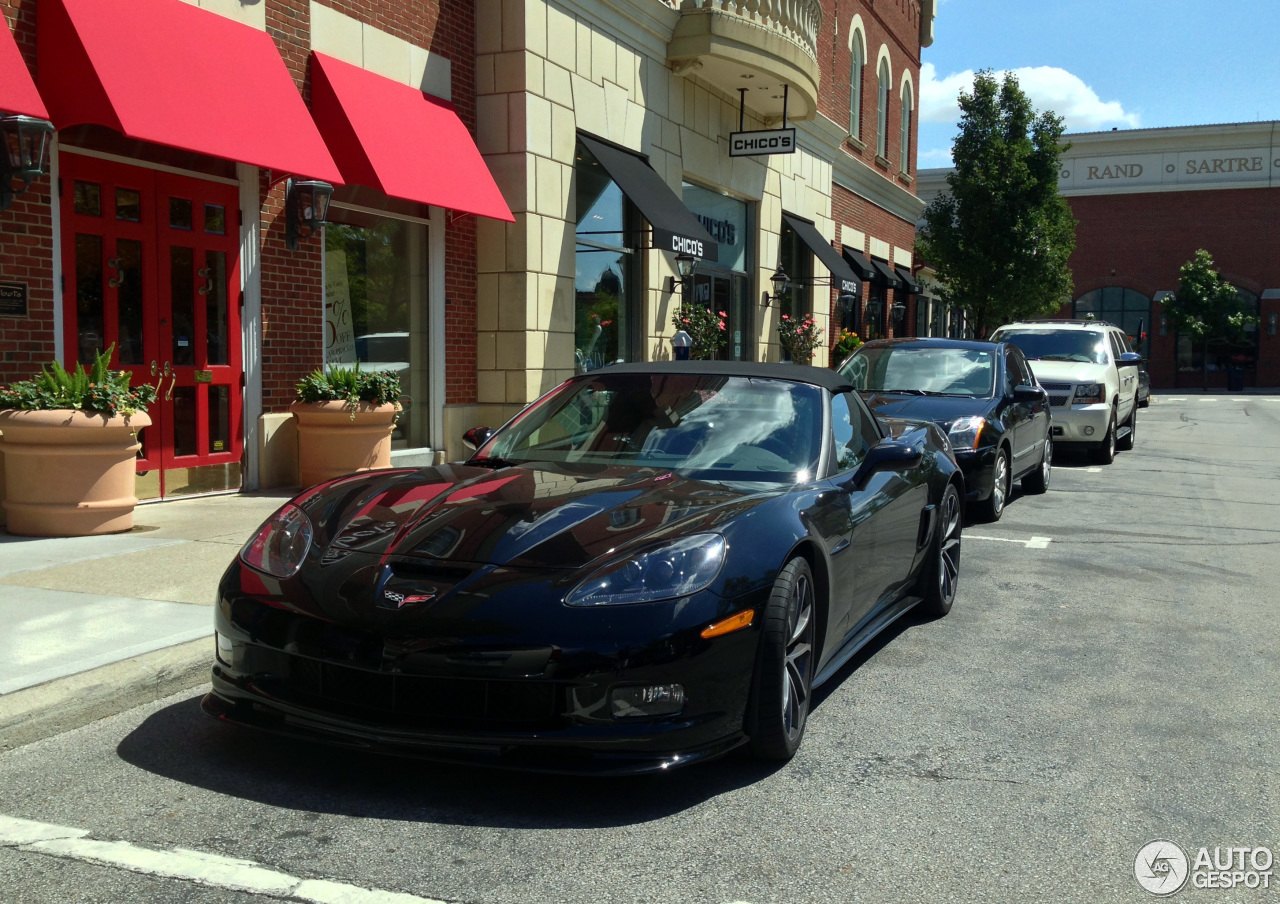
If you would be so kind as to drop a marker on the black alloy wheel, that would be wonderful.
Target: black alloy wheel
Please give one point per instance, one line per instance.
(783, 684)
(1125, 443)
(1037, 481)
(1105, 453)
(941, 575)
(1001, 485)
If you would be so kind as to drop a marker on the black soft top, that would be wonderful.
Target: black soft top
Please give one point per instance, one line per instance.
(794, 373)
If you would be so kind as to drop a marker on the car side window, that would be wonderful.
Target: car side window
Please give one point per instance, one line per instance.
(1012, 376)
(853, 431)
(1115, 345)
(1022, 371)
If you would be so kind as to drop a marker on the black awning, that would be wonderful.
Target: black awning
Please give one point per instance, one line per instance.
(675, 229)
(860, 264)
(843, 279)
(885, 275)
(908, 281)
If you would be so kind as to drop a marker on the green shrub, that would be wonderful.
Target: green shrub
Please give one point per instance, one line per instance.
(99, 390)
(350, 385)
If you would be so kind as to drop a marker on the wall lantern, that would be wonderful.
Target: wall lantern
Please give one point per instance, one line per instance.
(1271, 323)
(681, 345)
(780, 282)
(26, 141)
(899, 311)
(844, 305)
(306, 208)
(686, 263)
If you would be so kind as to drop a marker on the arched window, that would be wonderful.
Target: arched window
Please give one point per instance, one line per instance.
(855, 86)
(882, 111)
(904, 139)
(1126, 308)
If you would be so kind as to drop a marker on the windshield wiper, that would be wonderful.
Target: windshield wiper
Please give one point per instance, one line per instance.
(493, 462)
(1057, 358)
(905, 391)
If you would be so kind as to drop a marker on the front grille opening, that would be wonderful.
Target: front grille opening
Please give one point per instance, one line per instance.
(411, 701)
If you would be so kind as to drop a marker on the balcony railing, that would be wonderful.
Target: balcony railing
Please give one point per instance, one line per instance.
(796, 20)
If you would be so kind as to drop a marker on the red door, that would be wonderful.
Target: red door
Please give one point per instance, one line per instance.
(151, 264)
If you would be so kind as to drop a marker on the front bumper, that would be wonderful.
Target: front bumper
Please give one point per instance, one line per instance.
(1081, 423)
(532, 705)
(978, 468)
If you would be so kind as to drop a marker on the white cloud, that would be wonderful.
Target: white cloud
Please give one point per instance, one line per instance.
(1049, 88)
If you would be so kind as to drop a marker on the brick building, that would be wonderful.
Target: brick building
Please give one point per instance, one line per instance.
(517, 186)
(1145, 200)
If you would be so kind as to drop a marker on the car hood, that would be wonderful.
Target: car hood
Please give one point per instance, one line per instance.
(528, 516)
(939, 409)
(1068, 371)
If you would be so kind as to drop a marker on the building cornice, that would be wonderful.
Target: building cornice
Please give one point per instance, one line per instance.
(644, 26)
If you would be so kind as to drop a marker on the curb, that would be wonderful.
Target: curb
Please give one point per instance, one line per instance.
(67, 703)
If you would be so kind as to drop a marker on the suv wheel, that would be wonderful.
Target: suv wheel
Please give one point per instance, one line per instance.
(1105, 453)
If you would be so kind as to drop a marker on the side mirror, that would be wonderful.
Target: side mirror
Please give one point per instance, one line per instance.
(887, 455)
(477, 436)
(1129, 359)
(1028, 393)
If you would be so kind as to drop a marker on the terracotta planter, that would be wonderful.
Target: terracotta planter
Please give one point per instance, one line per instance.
(331, 444)
(68, 473)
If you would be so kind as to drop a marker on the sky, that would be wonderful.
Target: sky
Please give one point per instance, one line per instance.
(1103, 64)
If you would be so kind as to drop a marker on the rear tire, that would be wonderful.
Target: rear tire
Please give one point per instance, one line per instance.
(1125, 443)
(941, 575)
(1105, 453)
(992, 507)
(783, 683)
(1037, 481)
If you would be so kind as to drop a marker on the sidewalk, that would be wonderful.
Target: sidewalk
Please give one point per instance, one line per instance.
(86, 619)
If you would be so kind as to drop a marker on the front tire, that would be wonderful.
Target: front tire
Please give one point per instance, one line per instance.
(942, 573)
(1105, 453)
(783, 683)
(1126, 444)
(1037, 481)
(1001, 484)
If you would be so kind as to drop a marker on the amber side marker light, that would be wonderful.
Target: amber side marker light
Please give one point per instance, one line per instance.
(729, 625)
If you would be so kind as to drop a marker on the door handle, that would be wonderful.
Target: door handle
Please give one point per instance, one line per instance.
(116, 281)
(204, 273)
(153, 368)
(168, 396)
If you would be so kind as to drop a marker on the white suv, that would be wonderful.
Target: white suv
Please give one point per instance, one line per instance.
(1091, 375)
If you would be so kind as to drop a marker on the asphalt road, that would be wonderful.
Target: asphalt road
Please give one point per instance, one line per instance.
(1112, 681)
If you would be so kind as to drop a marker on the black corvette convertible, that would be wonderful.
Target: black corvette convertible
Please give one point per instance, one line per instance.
(650, 565)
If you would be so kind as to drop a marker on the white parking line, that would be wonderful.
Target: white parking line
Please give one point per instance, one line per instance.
(1033, 543)
(1174, 400)
(193, 866)
(1093, 470)
(1208, 400)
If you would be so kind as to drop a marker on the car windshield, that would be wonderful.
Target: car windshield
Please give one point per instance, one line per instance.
(1057, 345)
(922, 369)
(709, 427)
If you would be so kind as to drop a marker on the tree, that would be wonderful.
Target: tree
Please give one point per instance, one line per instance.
(1000, 239)
(1207, 307)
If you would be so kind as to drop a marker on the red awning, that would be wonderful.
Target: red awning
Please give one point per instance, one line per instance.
(17, 91)
(172, 73)
(403, 142)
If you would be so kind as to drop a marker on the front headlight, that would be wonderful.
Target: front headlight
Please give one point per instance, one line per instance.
(965, 432)
(666, 572)
(281, 544)
(1089, 393)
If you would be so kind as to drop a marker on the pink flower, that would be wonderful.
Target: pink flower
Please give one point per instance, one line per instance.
(722, 313)
(722, 326)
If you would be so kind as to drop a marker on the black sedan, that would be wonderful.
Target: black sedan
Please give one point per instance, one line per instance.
(651, 565)
(982, 393)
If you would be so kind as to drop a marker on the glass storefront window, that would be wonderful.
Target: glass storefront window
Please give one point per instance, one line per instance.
(796, 261)
(606, 269)
(724, 284)
(1222, 354)
(1126, 308)
(376, 307)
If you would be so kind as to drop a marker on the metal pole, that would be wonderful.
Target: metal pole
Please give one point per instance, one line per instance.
(742, 107)
(786, 89)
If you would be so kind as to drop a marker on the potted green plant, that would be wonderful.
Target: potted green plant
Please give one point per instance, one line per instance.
(705, 327)
(345, 419)
(845, 346)
(70, 440)
(799, 336)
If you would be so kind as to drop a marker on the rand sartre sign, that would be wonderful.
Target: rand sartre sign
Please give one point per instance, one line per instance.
(756, 144)
(1168, 171)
